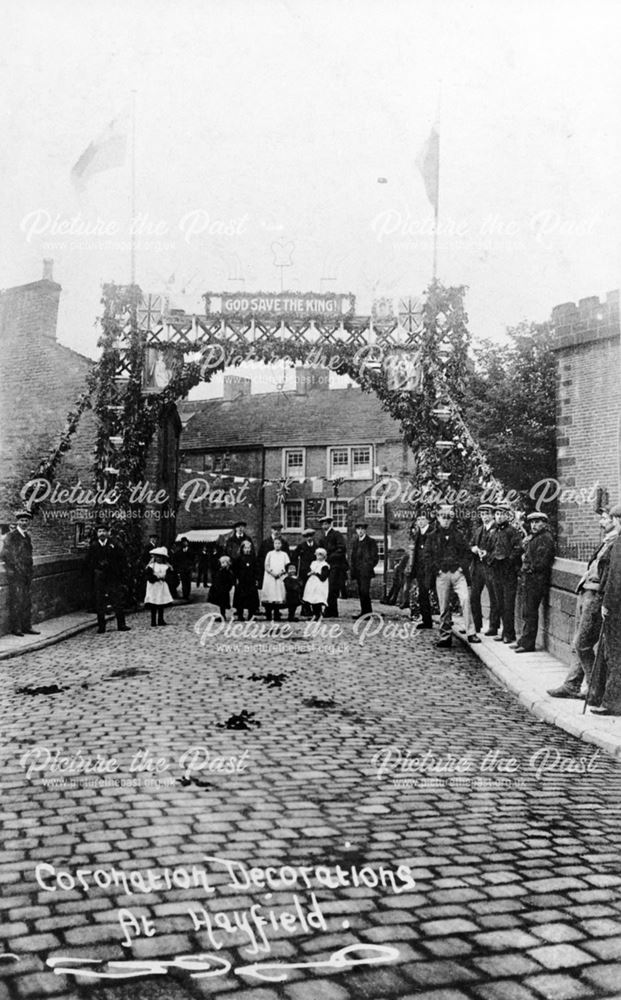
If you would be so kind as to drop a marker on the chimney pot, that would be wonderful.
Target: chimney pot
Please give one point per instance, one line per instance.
(48, 269)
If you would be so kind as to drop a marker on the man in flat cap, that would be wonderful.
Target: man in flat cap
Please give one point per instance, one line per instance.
(505, 563)
(480, 571)
(302, 557)
(537, 562)
(590, 591)
(336, 550)
(447, 557)
(364, 559)
(605, 694)
(17, 556)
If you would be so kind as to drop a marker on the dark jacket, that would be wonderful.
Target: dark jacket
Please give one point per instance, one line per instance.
(447, 551)
(364, 557)
(506, 546)
(336, 549)
(183, 560)
(220, 590)
(17, 555)
(245, 573)
(417, 566)
(539, 552)
(302, 557)
(483, 538)
(293, 589)
(106, 563)
(231, 544)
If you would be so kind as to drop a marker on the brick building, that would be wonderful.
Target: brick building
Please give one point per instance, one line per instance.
(588, 375)
(587, 347)
(41, 380)
(235, 450)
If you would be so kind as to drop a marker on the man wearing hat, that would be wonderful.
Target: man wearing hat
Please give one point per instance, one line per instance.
(480, 571)
(590, 592)
(364, 559)
(231, 544)
(447, 557)
(505, 562)
(17, 556)
(302, 557)
(183, 564)
(536, 569)
(336, 550)
(106, 563)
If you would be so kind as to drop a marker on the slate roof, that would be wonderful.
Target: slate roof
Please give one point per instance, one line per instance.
(277, 419)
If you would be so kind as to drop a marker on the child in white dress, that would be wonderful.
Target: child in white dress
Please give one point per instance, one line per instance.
(316, 589)
(159, 579)
(273, 589)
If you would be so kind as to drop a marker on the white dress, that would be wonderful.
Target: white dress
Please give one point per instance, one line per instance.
(273, 591)
(158, 592)
(316, 590)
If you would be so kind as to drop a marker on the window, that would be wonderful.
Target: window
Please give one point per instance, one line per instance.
(221, 462)
(361, 463)
(293, 515)
(379, 569)
(350, 463)
(374, 506)
(82, 539)
(338, 510)
(293, 462)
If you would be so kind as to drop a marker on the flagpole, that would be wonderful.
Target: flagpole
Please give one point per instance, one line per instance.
(132, 241)
(436, 214)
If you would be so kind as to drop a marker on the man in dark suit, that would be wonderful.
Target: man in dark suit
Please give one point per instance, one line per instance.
(231, 544)
(336, 550)
(481, 572)
(183, 564)
(302, 557)
(416, 569)
(364, 559)
(17, 555)
(105, 562)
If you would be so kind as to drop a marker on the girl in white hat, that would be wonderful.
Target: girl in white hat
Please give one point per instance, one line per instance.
(159, 581)
(316, 589)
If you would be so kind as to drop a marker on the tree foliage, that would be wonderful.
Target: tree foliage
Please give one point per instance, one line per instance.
(510, 405)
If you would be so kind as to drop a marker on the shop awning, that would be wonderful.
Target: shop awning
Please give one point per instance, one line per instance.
(202, 534)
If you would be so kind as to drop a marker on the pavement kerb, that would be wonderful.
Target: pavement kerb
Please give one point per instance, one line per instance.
(499, 661)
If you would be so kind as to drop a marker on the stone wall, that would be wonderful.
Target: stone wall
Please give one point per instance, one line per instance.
(59, 587)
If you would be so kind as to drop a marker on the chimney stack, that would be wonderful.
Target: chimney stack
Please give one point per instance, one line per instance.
(28, 312)
(311, 378)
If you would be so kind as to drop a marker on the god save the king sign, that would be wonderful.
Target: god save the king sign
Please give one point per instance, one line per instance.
(295, 305)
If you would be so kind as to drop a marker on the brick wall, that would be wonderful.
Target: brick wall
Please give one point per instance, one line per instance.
(40, 380)
(588, 377)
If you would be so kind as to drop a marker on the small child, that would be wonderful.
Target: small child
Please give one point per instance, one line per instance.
(293, 591)
(222, 584)
(316, 589)
(160, 580)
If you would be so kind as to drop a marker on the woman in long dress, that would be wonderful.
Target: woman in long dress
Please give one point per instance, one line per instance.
(273, 587)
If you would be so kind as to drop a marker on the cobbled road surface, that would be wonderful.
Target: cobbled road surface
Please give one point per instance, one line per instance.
(515, 857)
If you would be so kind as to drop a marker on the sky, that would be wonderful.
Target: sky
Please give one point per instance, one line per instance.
(298, 122)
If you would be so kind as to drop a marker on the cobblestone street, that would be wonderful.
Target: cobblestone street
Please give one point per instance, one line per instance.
(510, 829)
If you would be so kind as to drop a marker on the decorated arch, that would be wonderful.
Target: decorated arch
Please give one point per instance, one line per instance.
(151, 356)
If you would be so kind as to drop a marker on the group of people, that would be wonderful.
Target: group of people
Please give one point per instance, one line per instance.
(443, 559)
(311, 577)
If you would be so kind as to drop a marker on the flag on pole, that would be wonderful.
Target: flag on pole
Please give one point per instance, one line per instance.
(108, 150)
(428, 162)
